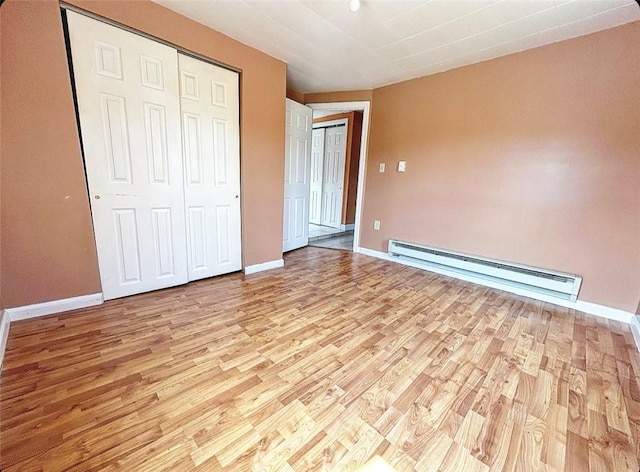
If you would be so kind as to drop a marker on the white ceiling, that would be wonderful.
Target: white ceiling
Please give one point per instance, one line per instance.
(329, 48)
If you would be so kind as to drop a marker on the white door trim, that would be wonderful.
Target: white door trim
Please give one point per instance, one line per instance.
(365, 108)
(325, 124)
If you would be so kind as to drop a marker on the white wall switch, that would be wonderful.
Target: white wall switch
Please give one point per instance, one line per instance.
(402, 166)
(376, 225)
(382, 167)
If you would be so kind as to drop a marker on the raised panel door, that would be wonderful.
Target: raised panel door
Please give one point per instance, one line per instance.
(127, 91)
(211, 127)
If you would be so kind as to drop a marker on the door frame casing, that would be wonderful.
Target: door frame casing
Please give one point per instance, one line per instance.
(365, 108)
(327, 124)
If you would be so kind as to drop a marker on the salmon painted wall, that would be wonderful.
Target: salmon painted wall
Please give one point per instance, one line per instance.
(47, 239)
(532, 158)
(333, 97)
(295, 95)
(48, 250)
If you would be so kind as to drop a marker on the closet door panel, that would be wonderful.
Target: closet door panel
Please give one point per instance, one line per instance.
(211, 126)
(333, 176)
(317, 162)
(129, 108)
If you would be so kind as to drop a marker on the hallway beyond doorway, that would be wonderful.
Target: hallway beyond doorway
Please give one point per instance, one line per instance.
(332, 238)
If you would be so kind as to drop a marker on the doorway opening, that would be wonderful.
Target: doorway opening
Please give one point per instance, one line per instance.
(338, 156)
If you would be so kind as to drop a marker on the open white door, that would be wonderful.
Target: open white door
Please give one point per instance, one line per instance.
(127, 89)
(211, 127)
(332, 189)
(296, 176)
(317, 160)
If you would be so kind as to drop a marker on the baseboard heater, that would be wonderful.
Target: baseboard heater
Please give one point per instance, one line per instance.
(557, 284)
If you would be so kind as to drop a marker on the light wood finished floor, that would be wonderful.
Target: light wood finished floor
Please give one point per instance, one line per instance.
(318, 367)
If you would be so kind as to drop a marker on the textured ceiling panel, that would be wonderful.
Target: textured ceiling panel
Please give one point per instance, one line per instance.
(329, 48)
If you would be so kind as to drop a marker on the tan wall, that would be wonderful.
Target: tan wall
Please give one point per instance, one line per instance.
(332, 97)
(295, 95)
(531, 158)
(47, 240)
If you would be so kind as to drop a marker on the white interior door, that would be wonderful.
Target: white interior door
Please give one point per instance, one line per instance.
(211, 134)
(296, 176)
(317, 159)
(333, 176)
(127, 89)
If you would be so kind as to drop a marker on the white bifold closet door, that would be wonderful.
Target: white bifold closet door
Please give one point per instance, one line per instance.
(129, 102)
(211, 134)
(317, 160)
(333, 176)
(127, 92)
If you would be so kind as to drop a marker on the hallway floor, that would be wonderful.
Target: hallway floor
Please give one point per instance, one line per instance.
(342, 241)
(318, 231)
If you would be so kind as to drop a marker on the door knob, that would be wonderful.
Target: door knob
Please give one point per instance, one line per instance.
(97, 197)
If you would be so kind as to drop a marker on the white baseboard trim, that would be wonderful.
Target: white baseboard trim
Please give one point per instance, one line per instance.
(55, 306)
(252, 269)
(599, 310)
(586, 307)
(4, 333)
(9, 315)
(348, 227)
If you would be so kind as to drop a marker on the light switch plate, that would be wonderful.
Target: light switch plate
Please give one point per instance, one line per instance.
(402, 166)
(376, 225)
(382, 167)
